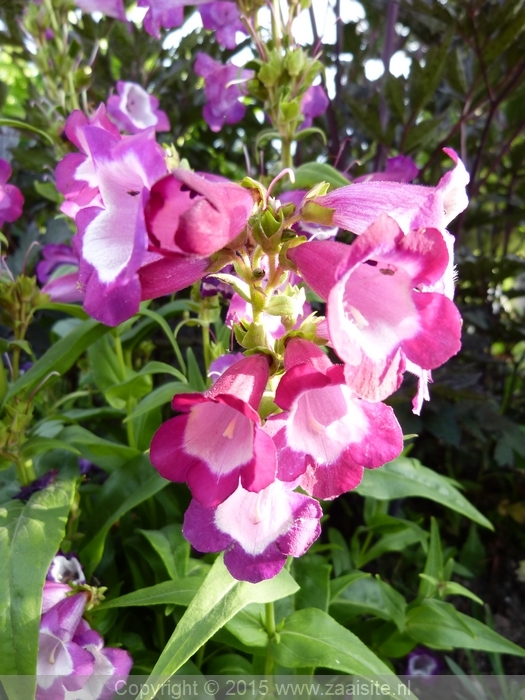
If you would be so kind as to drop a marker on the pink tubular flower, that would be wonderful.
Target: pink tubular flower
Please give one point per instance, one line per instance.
(327, 434)
(112, 239)
(62, 663)
(222, 92)
(224, 19)
(219, 440)
(195, 214)
(135, 110)
(257, 530)
(58, 273)
(11, 199)
(111, 8)
(314, 104)
(162, 13)
(381, 305)
(357, 206)
(75, 175)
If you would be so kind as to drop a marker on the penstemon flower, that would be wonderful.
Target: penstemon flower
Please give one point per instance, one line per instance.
(381, 307)
(257, 530)
(220, 440)
(222, 91)
(73, 663)
(224, 19)
(327, 434)
(135, 110)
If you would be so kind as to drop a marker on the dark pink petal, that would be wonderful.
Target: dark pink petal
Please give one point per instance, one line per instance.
(440, 335)
(260, 472)
(170, 274)
(290, 464)
(209, 488)
(300, 351)
(327, 481)
(317, 262)
(385, 439)
(167, 454)
(245, 380)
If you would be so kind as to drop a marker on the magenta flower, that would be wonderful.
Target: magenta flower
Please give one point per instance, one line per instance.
(381, 305)
(163, 13)
(224, 19)
(11, 199)
(109, 665)
(72, 657)
(111, 8)
(398, 169)
(423, 662)
(62, 664)
(257, 530)
(112, 239)
(219, 440)
(327, 434)
(222, 91)
(195, 213)
(135, 110)
(58, 273)
(75, 175)
(107, 187)
(314, 104)
(357, 206)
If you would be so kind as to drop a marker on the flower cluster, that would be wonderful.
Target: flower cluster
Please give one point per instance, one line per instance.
(71, 655)
(283, 415)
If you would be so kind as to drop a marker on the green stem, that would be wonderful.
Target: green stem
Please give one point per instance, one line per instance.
(130, 404)
(286, 153)
(269, 665)
(25, 471)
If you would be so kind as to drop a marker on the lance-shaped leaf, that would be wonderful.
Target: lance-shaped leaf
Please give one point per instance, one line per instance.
(218, 600)
(30, 535)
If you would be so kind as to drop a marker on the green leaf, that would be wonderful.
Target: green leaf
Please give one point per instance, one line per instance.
(128, 486)
(434, 563)
(229, 665)
(24, 126)
(30, 535)
(362, 596)
(218, 600)
(311, 174)
(155, 367)
(158, 397)
(405, 477)
(36, 445)
(311, 638)
(171, 547)
(61, 355)
(440, 626)
(453, 588)
(395, 603)
(312, 573)
(104, 453)
(69, 309)
(178, 592)
(195, 378)
(133, 388)
(248, 628)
